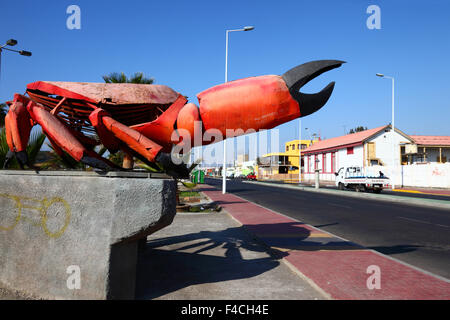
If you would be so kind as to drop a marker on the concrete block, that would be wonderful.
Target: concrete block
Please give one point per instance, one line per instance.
(55, 226)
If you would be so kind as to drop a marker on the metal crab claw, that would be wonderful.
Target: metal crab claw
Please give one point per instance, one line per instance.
(297, 77)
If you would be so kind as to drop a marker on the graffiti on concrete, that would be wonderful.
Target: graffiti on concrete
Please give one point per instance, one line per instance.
(436, 172)
(52, 215)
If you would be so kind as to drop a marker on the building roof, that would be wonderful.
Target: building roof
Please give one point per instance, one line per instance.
(432, 140)
(352, 139)
(277, 154)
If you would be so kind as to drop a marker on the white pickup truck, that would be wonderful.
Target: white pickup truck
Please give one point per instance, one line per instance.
(360, 180)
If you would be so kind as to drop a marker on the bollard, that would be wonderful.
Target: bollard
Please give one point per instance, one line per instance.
(316, 178)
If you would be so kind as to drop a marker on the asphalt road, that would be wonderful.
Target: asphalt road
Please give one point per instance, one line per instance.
(390, 192)
(416, 235)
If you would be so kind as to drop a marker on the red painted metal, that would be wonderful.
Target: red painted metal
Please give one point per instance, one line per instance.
(18, 124)
(132, 138)
(253, 103)
(57, 131)
(161, 129)
(106, 136)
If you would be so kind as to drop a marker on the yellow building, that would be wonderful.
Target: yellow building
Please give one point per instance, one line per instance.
(282, 165)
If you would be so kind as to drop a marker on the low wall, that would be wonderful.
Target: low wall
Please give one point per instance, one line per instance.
(74, 235)
(430, 175)
(420, 175)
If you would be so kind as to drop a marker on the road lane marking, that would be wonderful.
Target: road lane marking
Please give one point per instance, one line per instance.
(339, 205)
(426, 222)
(293, 235)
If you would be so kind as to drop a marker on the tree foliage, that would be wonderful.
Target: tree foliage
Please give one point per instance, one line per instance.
(3, 112)
(120, 77)
(358, 129)
(34, 145)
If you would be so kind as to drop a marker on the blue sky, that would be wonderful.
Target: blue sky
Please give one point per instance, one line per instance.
(182, 44)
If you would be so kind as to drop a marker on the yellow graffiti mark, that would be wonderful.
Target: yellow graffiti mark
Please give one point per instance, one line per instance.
(42, 208)
(19, 212)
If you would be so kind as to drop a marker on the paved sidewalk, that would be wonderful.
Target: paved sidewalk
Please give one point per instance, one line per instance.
(211, 256)
(337, 266)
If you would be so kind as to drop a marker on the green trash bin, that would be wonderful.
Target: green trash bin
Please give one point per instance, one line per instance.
(194, 176)
(201, 177)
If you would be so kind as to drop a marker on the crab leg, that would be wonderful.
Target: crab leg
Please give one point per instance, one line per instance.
(112, 132)
(18, 124)
(134, 143)
(62, 137)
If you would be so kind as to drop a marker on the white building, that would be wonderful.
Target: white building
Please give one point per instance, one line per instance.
(401, 157)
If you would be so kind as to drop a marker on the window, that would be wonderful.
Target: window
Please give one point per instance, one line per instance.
(333, 161)
(350, 150)
(287, 148)
(324, 162)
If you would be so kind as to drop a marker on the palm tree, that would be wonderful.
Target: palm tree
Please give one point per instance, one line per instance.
(138, 77)
(34, 145)
(57, 162)
(3, 112)
(65, 161)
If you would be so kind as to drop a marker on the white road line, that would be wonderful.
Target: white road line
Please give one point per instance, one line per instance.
(339, 205)
(426, 222)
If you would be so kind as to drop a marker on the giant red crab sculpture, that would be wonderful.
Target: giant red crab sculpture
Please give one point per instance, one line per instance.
(140, 119)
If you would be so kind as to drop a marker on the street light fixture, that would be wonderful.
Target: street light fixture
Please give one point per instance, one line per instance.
(300, 150)
(224, 168)
(393, 127)
(11, 42)
(25, 53)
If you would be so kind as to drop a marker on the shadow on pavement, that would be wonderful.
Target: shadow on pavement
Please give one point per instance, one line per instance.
(169, 264)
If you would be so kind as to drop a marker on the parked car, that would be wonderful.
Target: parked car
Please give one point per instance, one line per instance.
(251, 176)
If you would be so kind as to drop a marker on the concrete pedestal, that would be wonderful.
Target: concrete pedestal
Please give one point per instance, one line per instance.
(75, 235)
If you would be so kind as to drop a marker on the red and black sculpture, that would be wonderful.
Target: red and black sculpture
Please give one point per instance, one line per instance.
(140, 119)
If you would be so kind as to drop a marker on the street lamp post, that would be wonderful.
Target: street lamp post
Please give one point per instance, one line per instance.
(224, 168)
(300, 150)
(12, 42)
(393, 128)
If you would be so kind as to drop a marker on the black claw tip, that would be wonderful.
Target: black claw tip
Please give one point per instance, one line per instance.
(178, 171)
(22, 158)
(297, 77)
(8, 158)
(95, 163)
